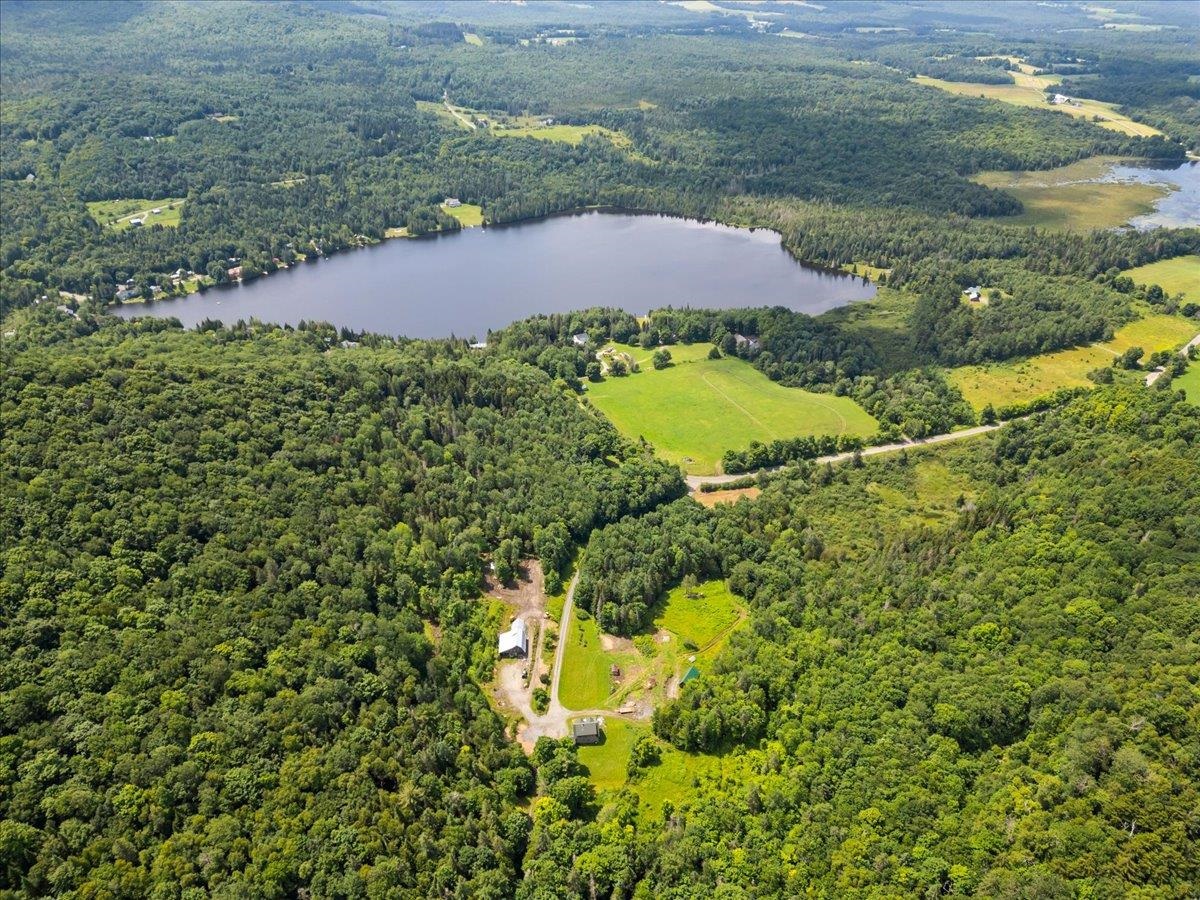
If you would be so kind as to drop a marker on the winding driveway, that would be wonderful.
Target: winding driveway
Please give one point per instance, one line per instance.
(1156, 374)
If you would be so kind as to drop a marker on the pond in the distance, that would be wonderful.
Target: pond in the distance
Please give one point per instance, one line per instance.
(465, 283)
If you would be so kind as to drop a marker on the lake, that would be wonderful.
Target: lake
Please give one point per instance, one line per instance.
(1178, 209)
(467, 282)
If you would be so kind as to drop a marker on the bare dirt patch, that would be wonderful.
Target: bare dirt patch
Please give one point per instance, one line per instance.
(610, 643)
(712, 498)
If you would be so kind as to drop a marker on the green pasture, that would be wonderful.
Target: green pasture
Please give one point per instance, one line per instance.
(697, 409)
(1179, 275)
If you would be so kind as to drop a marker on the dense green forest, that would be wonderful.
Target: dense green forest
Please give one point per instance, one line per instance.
(240, 640)
(244, 645)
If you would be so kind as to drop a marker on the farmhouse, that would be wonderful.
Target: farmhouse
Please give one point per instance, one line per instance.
(453, 202)
(743, 340)
(587, 731)
(515, 641)
(580, 339)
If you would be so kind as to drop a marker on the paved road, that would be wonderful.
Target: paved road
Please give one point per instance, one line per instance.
(694, 481)
(1156, 374)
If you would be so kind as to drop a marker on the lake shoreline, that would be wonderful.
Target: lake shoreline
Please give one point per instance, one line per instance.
(587, 260)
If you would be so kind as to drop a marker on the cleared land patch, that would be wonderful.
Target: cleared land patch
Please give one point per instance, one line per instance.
(468, 214)
(1179, 275)
(695, 410)
(687, 631)
(1017, 381)
(119, 215)
(1071, 197)
(1030, 91)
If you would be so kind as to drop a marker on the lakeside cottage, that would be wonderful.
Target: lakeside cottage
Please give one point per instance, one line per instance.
(514, 642)
(588, 731)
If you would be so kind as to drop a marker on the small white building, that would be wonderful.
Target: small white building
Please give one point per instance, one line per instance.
(973, 293)
(581, 339)
(453, 202)
(479, 345)
(515, 641)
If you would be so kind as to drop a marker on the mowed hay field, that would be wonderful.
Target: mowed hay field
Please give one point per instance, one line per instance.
(1030, 90)
(1180, 275)
(1071, 198)
(694, 411)
(1021, 380)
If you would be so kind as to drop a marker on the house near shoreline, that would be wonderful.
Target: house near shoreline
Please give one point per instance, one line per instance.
(514, 643)
(588, 731)
(452, 202)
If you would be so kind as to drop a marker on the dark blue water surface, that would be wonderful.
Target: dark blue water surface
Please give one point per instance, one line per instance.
(465, 283)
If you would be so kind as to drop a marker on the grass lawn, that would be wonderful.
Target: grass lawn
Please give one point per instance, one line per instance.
(586, 682)
(1021, 380)
(606, 762)
(1189, 383)
(695, 410)
(116, 214)
(1069, 197)
(1030, 91)
(469, 215)
(1180, 275)
(472, 39)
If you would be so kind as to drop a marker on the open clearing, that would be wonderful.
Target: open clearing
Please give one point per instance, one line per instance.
(118, 214)
(468, 214)
(733, 495)
(1030, 91)
(1021, 380)
(1070, 197)
(695, 410)
(541, 128)
(1180, 275)
(686, 631)
(1189, 383)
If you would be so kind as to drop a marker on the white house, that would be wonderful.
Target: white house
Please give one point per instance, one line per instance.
(580, 339)
(515, 641)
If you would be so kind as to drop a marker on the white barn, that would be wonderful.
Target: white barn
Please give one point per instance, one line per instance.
(515, 641)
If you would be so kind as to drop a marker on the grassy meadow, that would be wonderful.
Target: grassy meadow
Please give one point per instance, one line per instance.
(1026, 379)
(1180, 275)
(684, 627)
(1029, 90)
(1070, 198)
(116, 214)
(698, 408)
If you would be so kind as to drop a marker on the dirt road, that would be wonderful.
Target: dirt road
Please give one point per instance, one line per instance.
(694, 481)
(1156, 374)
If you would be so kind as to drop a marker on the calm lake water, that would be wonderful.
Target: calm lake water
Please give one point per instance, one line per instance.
(465, 283)
(1180, 208)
